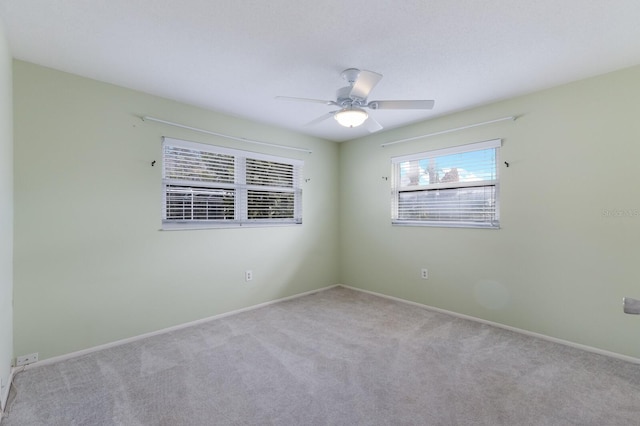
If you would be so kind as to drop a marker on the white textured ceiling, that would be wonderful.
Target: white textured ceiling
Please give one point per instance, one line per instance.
(235, 56)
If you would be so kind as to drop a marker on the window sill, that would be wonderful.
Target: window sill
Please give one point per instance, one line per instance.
(235, 225)
(447, 224)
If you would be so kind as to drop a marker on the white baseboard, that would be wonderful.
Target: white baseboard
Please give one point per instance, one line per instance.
(4, 396)
(260, 305)
(71, 355)
(505, 327)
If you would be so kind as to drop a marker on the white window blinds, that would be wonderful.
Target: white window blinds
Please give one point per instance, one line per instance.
(209, 186)
(449, 187)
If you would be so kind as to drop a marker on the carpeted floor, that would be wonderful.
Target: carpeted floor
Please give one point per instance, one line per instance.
(338, 357)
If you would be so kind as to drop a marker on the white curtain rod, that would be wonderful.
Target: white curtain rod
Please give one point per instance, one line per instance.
(195, 129)
(512, 117)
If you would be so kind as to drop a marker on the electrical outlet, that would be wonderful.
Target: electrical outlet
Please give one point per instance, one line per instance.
(248, 275)
(26, 359)
(424, 274)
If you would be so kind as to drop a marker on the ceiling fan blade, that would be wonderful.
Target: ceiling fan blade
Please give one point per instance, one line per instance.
(372, 125)
(364, 84)
(401, 104)
(321, 118)
(317, 101)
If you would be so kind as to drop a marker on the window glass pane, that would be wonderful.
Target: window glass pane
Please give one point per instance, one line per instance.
(268, 173)
(185, 203)
(473, 204)
(186, 164)
(474, 166)
(270, 205)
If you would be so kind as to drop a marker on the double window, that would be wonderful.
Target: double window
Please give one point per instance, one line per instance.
(456, 187)
(209, 186)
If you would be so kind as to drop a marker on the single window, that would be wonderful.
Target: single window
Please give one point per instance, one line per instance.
(208, 186)
(455, 187)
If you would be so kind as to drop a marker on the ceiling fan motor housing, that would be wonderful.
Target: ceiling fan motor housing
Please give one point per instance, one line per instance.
(344, 100)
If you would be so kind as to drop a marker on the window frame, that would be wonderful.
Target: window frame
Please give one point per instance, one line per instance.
(397, 189)
(239, 188)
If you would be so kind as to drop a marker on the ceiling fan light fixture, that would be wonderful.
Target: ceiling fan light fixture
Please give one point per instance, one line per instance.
(351, 117)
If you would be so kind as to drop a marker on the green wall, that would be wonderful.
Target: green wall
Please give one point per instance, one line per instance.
(91, 265)
(560, 264)
(6, 213)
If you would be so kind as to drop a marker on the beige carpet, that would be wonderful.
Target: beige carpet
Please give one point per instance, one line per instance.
(338, 357)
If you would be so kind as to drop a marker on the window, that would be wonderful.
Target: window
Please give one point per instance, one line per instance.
(449, 187)
(208, 186)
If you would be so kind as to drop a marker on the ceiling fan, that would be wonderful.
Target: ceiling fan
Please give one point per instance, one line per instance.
(352, 100)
